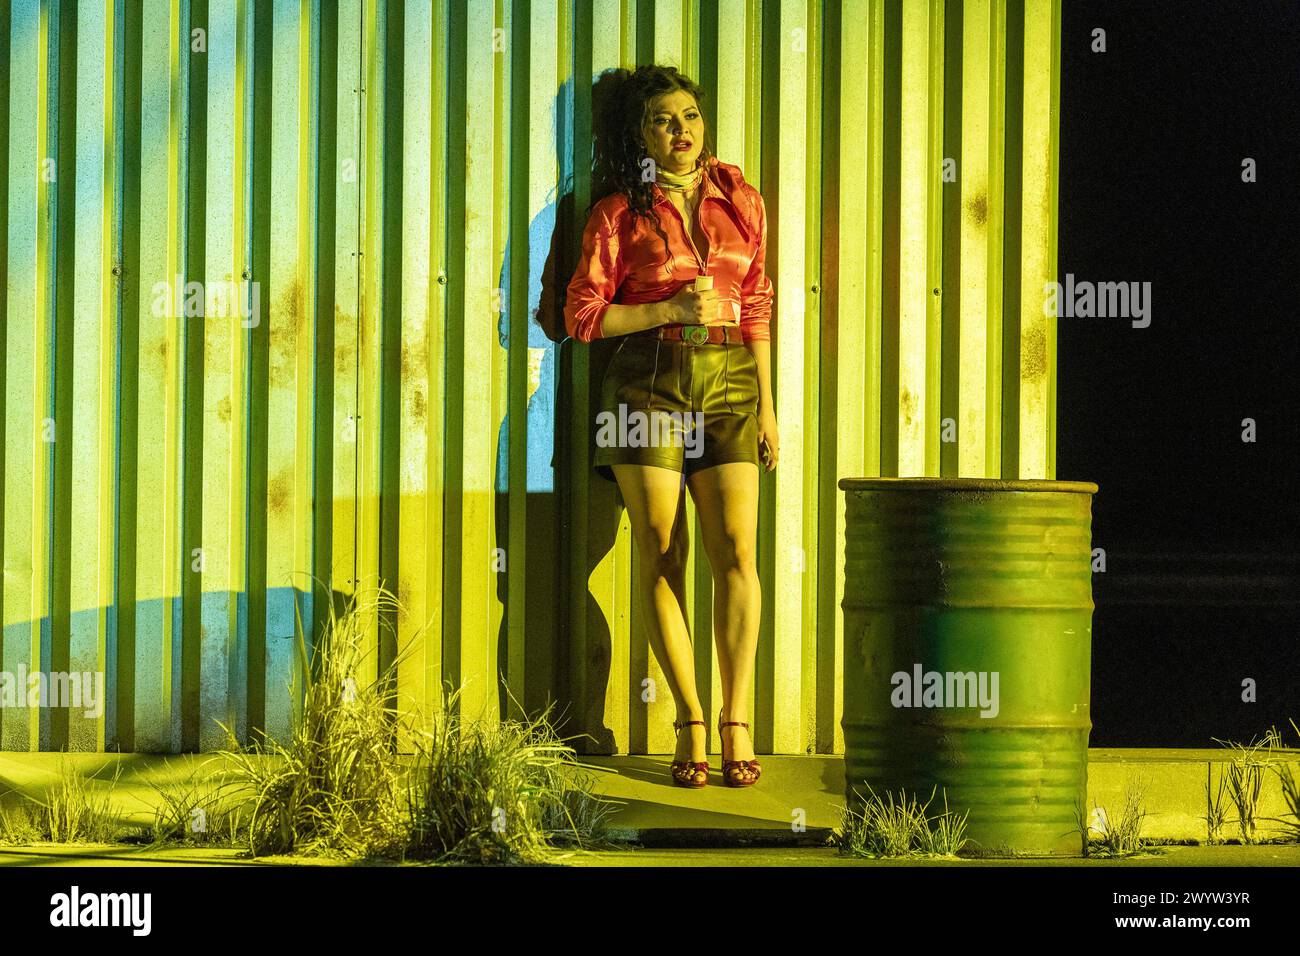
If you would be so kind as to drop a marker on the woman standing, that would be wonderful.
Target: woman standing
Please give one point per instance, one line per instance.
(673, 266)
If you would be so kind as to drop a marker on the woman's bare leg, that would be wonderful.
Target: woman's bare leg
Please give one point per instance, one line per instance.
(656, 508)
(726, 499)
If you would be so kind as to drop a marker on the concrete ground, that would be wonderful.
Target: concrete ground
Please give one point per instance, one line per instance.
(1166, 856)
(783, 821)
(823, 856)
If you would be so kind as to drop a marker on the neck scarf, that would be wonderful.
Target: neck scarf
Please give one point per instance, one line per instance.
(685, 182)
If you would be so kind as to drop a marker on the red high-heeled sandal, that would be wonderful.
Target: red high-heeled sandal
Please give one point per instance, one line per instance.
(684, 772)
(737, 773)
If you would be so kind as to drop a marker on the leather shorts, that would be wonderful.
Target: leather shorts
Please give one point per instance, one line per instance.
(677, 405)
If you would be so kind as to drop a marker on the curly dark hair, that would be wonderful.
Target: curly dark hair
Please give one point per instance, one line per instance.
(621, 118)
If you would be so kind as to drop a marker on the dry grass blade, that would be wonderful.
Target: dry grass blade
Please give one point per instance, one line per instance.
(1216, 808)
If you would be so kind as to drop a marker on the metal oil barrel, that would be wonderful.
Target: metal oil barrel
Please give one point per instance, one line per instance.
(967, 642)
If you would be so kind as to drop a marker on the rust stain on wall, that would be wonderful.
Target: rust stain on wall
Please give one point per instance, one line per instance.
(345, 341)
(1033, 356)
(284, 334)
(279, 493)
(907, 405)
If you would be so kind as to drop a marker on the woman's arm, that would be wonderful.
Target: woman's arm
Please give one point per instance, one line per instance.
(595, 281)
(769, 439)
(762, 352)
(756, 294)
(687, 307)
(756, 290)
(622, 319)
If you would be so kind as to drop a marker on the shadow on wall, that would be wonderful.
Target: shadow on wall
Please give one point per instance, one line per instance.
(147, 696)
(558, 405)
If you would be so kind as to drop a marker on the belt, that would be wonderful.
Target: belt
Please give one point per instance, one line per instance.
(697, 334)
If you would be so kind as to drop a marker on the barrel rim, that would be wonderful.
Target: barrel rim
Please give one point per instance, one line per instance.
(967, 484)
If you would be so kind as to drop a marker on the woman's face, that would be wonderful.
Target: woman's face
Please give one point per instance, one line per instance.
(676, 132)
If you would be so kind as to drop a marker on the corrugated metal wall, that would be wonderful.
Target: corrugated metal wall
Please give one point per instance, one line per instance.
(381, 202)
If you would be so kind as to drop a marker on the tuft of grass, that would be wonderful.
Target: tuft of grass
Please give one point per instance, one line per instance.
(1246, 780)
(335, 787)
(1123, 836)
(947, 834)
(1291, 794)
(20, 824)
(70, 811)
(503, 793)
(1290, 823)
(898, 826)
(1216, 809)
(471, 791)
(197, 810)
(578, 817)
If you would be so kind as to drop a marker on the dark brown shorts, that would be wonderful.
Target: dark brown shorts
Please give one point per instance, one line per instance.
(677, 405)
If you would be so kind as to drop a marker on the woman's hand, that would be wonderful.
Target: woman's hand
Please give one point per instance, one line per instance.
(689, 307)
(767, 435)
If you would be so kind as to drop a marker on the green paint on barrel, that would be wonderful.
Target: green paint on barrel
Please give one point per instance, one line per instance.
(981, 591)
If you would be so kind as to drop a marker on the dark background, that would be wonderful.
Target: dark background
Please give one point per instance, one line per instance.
(1202, 583)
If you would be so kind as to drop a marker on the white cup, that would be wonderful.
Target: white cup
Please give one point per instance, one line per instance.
(703, 283)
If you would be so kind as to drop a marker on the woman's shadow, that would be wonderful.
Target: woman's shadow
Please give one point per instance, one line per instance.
(568, 645)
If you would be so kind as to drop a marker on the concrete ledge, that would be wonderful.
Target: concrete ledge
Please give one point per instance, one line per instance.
(810, 790)
(797, 802)
(1174, 782)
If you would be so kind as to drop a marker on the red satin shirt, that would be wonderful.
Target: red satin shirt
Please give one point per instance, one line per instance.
(623, 259)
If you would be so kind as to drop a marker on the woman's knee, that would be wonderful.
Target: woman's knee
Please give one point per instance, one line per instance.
(663, 553)
(735, 557)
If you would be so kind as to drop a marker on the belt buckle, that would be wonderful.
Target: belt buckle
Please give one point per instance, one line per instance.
(695, 334)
